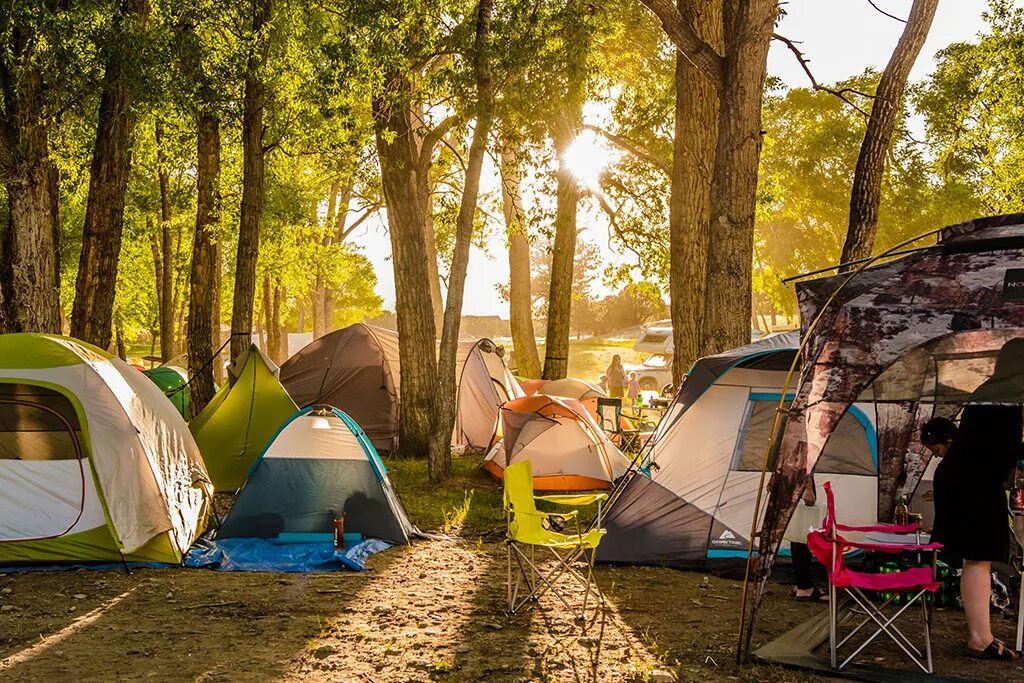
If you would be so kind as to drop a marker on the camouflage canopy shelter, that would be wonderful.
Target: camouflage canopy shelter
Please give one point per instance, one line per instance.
(916, 336)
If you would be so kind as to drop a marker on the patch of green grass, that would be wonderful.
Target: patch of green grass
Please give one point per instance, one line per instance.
(588, 358)
(468, 504)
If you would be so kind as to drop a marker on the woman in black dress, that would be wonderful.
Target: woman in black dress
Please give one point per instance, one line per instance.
(971, 515)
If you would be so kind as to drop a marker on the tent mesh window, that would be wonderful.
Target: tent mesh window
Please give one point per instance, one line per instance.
(847, 451)
(37, 423)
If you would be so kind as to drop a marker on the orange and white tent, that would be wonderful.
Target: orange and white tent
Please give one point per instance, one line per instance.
(559, 436)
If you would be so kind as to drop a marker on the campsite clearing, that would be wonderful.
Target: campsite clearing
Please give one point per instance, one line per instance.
(429, 612)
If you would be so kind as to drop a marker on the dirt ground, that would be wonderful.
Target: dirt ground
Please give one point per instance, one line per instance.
(430, 612)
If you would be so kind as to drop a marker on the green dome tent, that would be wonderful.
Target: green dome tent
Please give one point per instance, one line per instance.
(94, 464)
(241, 419)
(171, 379)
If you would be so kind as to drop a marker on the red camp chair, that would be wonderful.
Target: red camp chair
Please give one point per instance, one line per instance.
(828, 546)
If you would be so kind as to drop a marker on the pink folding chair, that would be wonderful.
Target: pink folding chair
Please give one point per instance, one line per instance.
(828, 546)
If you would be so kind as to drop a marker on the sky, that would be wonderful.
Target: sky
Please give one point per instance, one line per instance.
(839, 37)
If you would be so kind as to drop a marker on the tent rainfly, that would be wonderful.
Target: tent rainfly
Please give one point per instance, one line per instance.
(484, 384)
(95, 464)
(917, 336)
(356, 369)
(320, 464)
(173, 381)
(706, 457)
(243, 416)
(567, 448)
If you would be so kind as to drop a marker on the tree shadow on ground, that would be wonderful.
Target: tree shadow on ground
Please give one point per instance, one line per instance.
(169, 623)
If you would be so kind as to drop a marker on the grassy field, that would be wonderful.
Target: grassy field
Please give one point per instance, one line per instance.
(588, 358)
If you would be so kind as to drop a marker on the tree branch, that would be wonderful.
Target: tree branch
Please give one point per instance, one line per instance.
(434, 136)
(634, 148)
(882, 11)
(840, 93)
(359, 221)
(688, 41)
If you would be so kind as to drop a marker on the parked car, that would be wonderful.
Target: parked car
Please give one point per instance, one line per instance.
(655, 371)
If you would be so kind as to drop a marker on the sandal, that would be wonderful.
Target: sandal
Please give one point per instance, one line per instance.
(996, 650)
(815, 596)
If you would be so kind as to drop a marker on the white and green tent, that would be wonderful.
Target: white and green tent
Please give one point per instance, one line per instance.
(95, 463)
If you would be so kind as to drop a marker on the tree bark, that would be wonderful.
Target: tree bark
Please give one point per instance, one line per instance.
(201, 295)
(866, 195)
(397, 150)
(254, 103)
(728, 299)
(565, 126)
(167, 344)
(272, 317)
(693, 158)
(215, 309)
(279, 351)
(563, 254)
(29, 264)
(93, 307)
(444, 423)
(520, 301)
(425, 150)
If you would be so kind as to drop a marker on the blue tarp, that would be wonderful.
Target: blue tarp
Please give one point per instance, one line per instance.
(265, 555)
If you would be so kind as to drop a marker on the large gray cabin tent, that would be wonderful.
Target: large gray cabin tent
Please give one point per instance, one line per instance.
(319, 464)
(354, 369)
(705, 463)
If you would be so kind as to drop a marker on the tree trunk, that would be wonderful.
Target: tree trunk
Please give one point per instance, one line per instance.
(215, 337)
(693, 158)
(29, 264)
(264, 331)
(158, 268)
(556, 345)
(93, 307)
(272, 310)
(201, 294)
(441, 436)
(728, 299)
(167, 345)
(425, 190)
(344, 196)
(867, 178)
(279, 350)
(397, 150)
(254, 102)
(520, 300)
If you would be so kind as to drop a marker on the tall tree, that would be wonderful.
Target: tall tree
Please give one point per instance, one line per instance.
(398, 153)
(866, 194)
(566, 123)
(524, 339)
(104, 215)
(444, 419)
(253, 169)
(166, 272)
(693, 158)
(728, 298)
(29, 267)
(202, 293)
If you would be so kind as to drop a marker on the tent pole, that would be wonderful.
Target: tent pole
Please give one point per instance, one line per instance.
(746, 630)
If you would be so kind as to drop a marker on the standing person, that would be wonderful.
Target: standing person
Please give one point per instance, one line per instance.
(971, 514)
(632, 388)
(806, 517)
(616, 375)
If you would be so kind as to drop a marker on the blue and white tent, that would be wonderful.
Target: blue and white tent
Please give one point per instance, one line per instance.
(705, 463)
(319, 464)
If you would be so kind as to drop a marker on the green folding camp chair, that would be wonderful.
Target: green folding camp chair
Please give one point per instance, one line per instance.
(529, 529)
